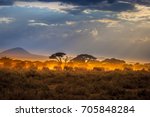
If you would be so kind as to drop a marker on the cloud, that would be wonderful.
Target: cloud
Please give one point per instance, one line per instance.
(78, 31)
(81, 2)
(6, 2)
(94, 32)
(70, 22)
(71, 2)
(73, 8)
(6, 20)
(108, 22)
(90, 9)
(141, 40)
(31, 21)
(57, 6)
(91, 30)
(38, 24)
(141, 13)
(56, 24)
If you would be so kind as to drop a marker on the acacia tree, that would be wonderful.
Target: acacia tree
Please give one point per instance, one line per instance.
(58, 56)
(84, 58)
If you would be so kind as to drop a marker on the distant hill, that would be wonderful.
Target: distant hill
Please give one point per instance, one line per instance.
(114, 61)
(20, 53)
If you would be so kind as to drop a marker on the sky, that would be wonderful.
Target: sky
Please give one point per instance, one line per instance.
(118, 30)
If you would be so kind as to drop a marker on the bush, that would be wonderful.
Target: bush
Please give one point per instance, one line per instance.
(85, 84)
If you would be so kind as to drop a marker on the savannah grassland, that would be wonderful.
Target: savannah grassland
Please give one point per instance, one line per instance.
(19, 82)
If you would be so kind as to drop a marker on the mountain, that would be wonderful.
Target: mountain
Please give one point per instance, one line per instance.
(20, 53)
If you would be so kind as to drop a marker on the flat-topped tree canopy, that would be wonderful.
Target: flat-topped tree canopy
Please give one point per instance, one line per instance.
(58, 56)
(83, 58)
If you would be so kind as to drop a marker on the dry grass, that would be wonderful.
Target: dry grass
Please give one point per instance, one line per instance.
(46, 84)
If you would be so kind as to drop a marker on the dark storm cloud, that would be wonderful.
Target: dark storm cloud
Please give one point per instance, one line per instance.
(89, 2)
(86, 4)
(81, 2)
(76, 2)
(116, 7)
(6, 2)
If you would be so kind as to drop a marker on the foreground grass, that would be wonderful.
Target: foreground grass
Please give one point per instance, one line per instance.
(46, 84)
